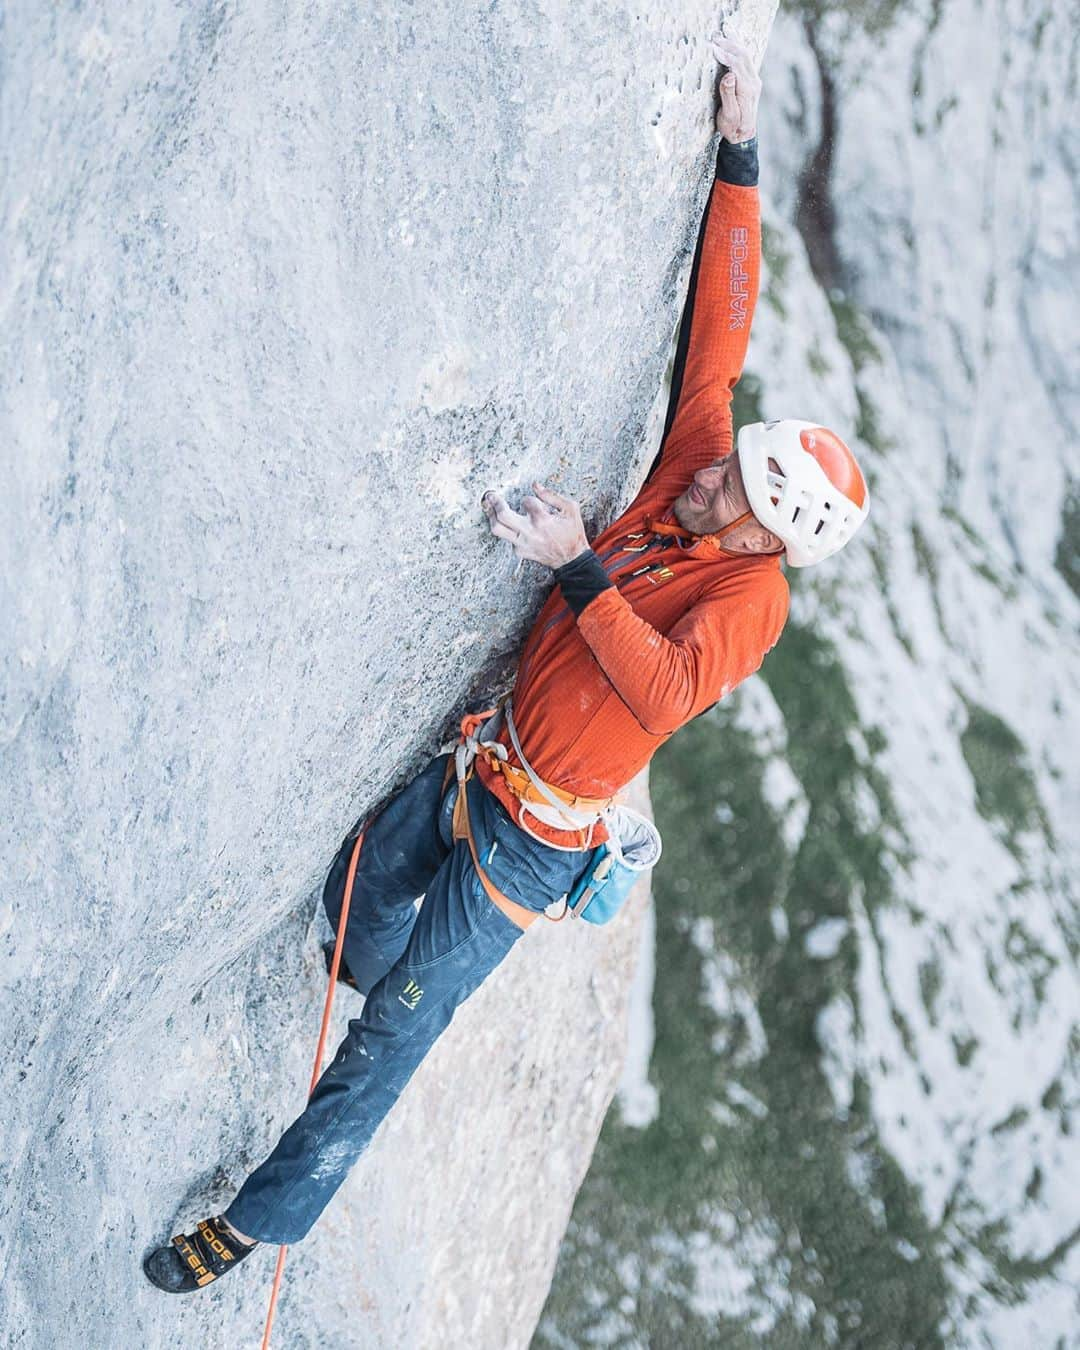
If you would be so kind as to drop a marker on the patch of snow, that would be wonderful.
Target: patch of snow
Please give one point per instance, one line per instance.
(784, 794)
(824, 939)
(726, 994)
(742, 1096)
(639, 1101)
(835, 1031)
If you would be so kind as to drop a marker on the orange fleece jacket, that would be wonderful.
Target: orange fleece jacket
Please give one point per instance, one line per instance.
(683, 622)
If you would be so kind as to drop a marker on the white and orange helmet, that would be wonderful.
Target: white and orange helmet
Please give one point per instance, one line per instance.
(817, 500)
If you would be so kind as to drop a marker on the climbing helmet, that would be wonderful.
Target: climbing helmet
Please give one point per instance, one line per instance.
(804, 485)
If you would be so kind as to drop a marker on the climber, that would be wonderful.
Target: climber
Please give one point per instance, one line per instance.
(668, 610)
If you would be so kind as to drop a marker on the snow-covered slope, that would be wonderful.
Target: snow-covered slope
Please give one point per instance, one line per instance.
(867, 1006)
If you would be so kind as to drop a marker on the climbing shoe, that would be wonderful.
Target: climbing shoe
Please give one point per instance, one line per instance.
(343, 976)
(192, 1260)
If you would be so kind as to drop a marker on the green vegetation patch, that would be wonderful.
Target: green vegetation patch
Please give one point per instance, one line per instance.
(816, 360)
(746, 401)
(874, 17)
(854, 334)
(926, 562)
(868, 426)
(976, 554)
(1067, 555)
(777, 263)
(881, 575)
(1005, 790)
(853, 330)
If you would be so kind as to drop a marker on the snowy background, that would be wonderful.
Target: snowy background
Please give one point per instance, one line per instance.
(283, 291)
(858, 1125)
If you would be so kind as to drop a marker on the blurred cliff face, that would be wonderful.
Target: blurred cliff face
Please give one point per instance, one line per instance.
(865, 1056)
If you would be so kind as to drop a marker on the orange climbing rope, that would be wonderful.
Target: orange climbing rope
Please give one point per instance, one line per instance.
(317, 1070)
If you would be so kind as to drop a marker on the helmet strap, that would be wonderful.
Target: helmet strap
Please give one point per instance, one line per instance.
(671, 531)
(720, 535)
(677, 532)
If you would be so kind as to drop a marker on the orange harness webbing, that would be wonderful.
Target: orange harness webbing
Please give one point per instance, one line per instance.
(462, 829)
(462, 826)
(522, 788)
(518, 780)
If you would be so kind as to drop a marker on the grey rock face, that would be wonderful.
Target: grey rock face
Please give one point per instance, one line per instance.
(283, 291)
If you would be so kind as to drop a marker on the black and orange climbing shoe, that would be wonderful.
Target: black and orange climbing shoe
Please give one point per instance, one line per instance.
(193, 1260)
(343, 976)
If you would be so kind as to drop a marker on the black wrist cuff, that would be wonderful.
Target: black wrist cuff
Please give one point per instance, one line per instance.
(582, 579)
(737, 164)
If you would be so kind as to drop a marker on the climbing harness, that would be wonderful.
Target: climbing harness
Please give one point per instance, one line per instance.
(576, 812)
(633, 844)
(551, 805)
(518, 915)
(462, 763)
(331, 986)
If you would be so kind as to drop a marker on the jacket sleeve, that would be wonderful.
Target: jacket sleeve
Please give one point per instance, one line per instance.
(716, 322)
(666, 679)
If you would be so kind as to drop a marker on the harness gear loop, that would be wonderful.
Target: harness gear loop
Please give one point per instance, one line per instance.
(335, 966)
(570, 811)
(462, 764)
(575, 818)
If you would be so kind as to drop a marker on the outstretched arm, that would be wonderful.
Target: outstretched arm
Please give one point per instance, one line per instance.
(723, 287)
(714, 334)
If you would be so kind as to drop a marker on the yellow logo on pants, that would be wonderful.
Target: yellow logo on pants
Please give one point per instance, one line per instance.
(411, 994)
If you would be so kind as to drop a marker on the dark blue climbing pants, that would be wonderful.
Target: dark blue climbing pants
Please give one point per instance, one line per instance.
(416, 968)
